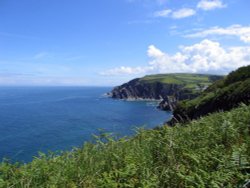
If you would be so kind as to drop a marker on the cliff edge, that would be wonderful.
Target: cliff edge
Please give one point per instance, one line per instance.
(169, 88)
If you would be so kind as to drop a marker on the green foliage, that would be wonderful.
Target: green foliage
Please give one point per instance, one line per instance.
(224, 94)
(240, 74)
(210, 152)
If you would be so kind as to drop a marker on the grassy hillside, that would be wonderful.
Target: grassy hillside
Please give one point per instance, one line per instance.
(190, 81)
(161, 86)
(211, 152)
(224, 94)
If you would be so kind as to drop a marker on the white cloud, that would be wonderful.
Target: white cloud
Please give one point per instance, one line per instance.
(210, 4)
(187, 12)
(162, 13)
(234, 30)
(204, 57)
(154, 52)
(183, 13)
(123, 70)
(178, 14)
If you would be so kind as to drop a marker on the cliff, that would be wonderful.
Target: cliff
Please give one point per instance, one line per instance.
(136, 89)
(223, 95)
(169, 88)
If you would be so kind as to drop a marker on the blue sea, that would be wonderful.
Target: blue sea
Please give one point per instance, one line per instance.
(34, 119)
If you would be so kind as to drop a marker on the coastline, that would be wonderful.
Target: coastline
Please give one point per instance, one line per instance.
(109, 95)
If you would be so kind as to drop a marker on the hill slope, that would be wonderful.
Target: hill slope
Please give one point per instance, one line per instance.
(224, 94)
(211, 152)
(167, 87)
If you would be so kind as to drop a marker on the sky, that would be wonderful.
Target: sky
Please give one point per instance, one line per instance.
(108, 42)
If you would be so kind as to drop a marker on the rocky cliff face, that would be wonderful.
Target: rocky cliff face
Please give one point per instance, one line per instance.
(168, 104)
(140, 90)
(168, 93)
(169, 88)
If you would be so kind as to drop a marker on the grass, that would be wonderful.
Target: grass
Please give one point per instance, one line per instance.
(193, 82)
(181, 78)
(210, 152)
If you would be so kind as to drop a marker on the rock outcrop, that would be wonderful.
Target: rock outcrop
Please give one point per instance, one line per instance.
(135, 89)
(169, 88)
(168, 104)
(168, 93)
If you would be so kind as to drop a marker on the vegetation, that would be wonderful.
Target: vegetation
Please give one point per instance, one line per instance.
(162, 86)
(194, 82)
(210, 152)
(224, 94)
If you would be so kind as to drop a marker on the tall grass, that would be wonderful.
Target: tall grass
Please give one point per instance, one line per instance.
(210, 152)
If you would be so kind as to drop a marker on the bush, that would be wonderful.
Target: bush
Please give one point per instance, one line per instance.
(210, 152)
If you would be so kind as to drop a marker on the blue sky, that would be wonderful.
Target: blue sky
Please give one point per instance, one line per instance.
(108, 42)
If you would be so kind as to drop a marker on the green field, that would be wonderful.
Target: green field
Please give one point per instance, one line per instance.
(190, 81)
(180, 78)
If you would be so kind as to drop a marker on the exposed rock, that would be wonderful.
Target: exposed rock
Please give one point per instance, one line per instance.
(168, 104)
(168, 93)
(170, 88)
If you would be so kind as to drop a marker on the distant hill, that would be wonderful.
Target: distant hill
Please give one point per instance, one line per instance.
(224, 94)
(169, 88)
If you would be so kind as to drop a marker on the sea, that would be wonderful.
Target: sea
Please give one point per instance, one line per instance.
(45, 119)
